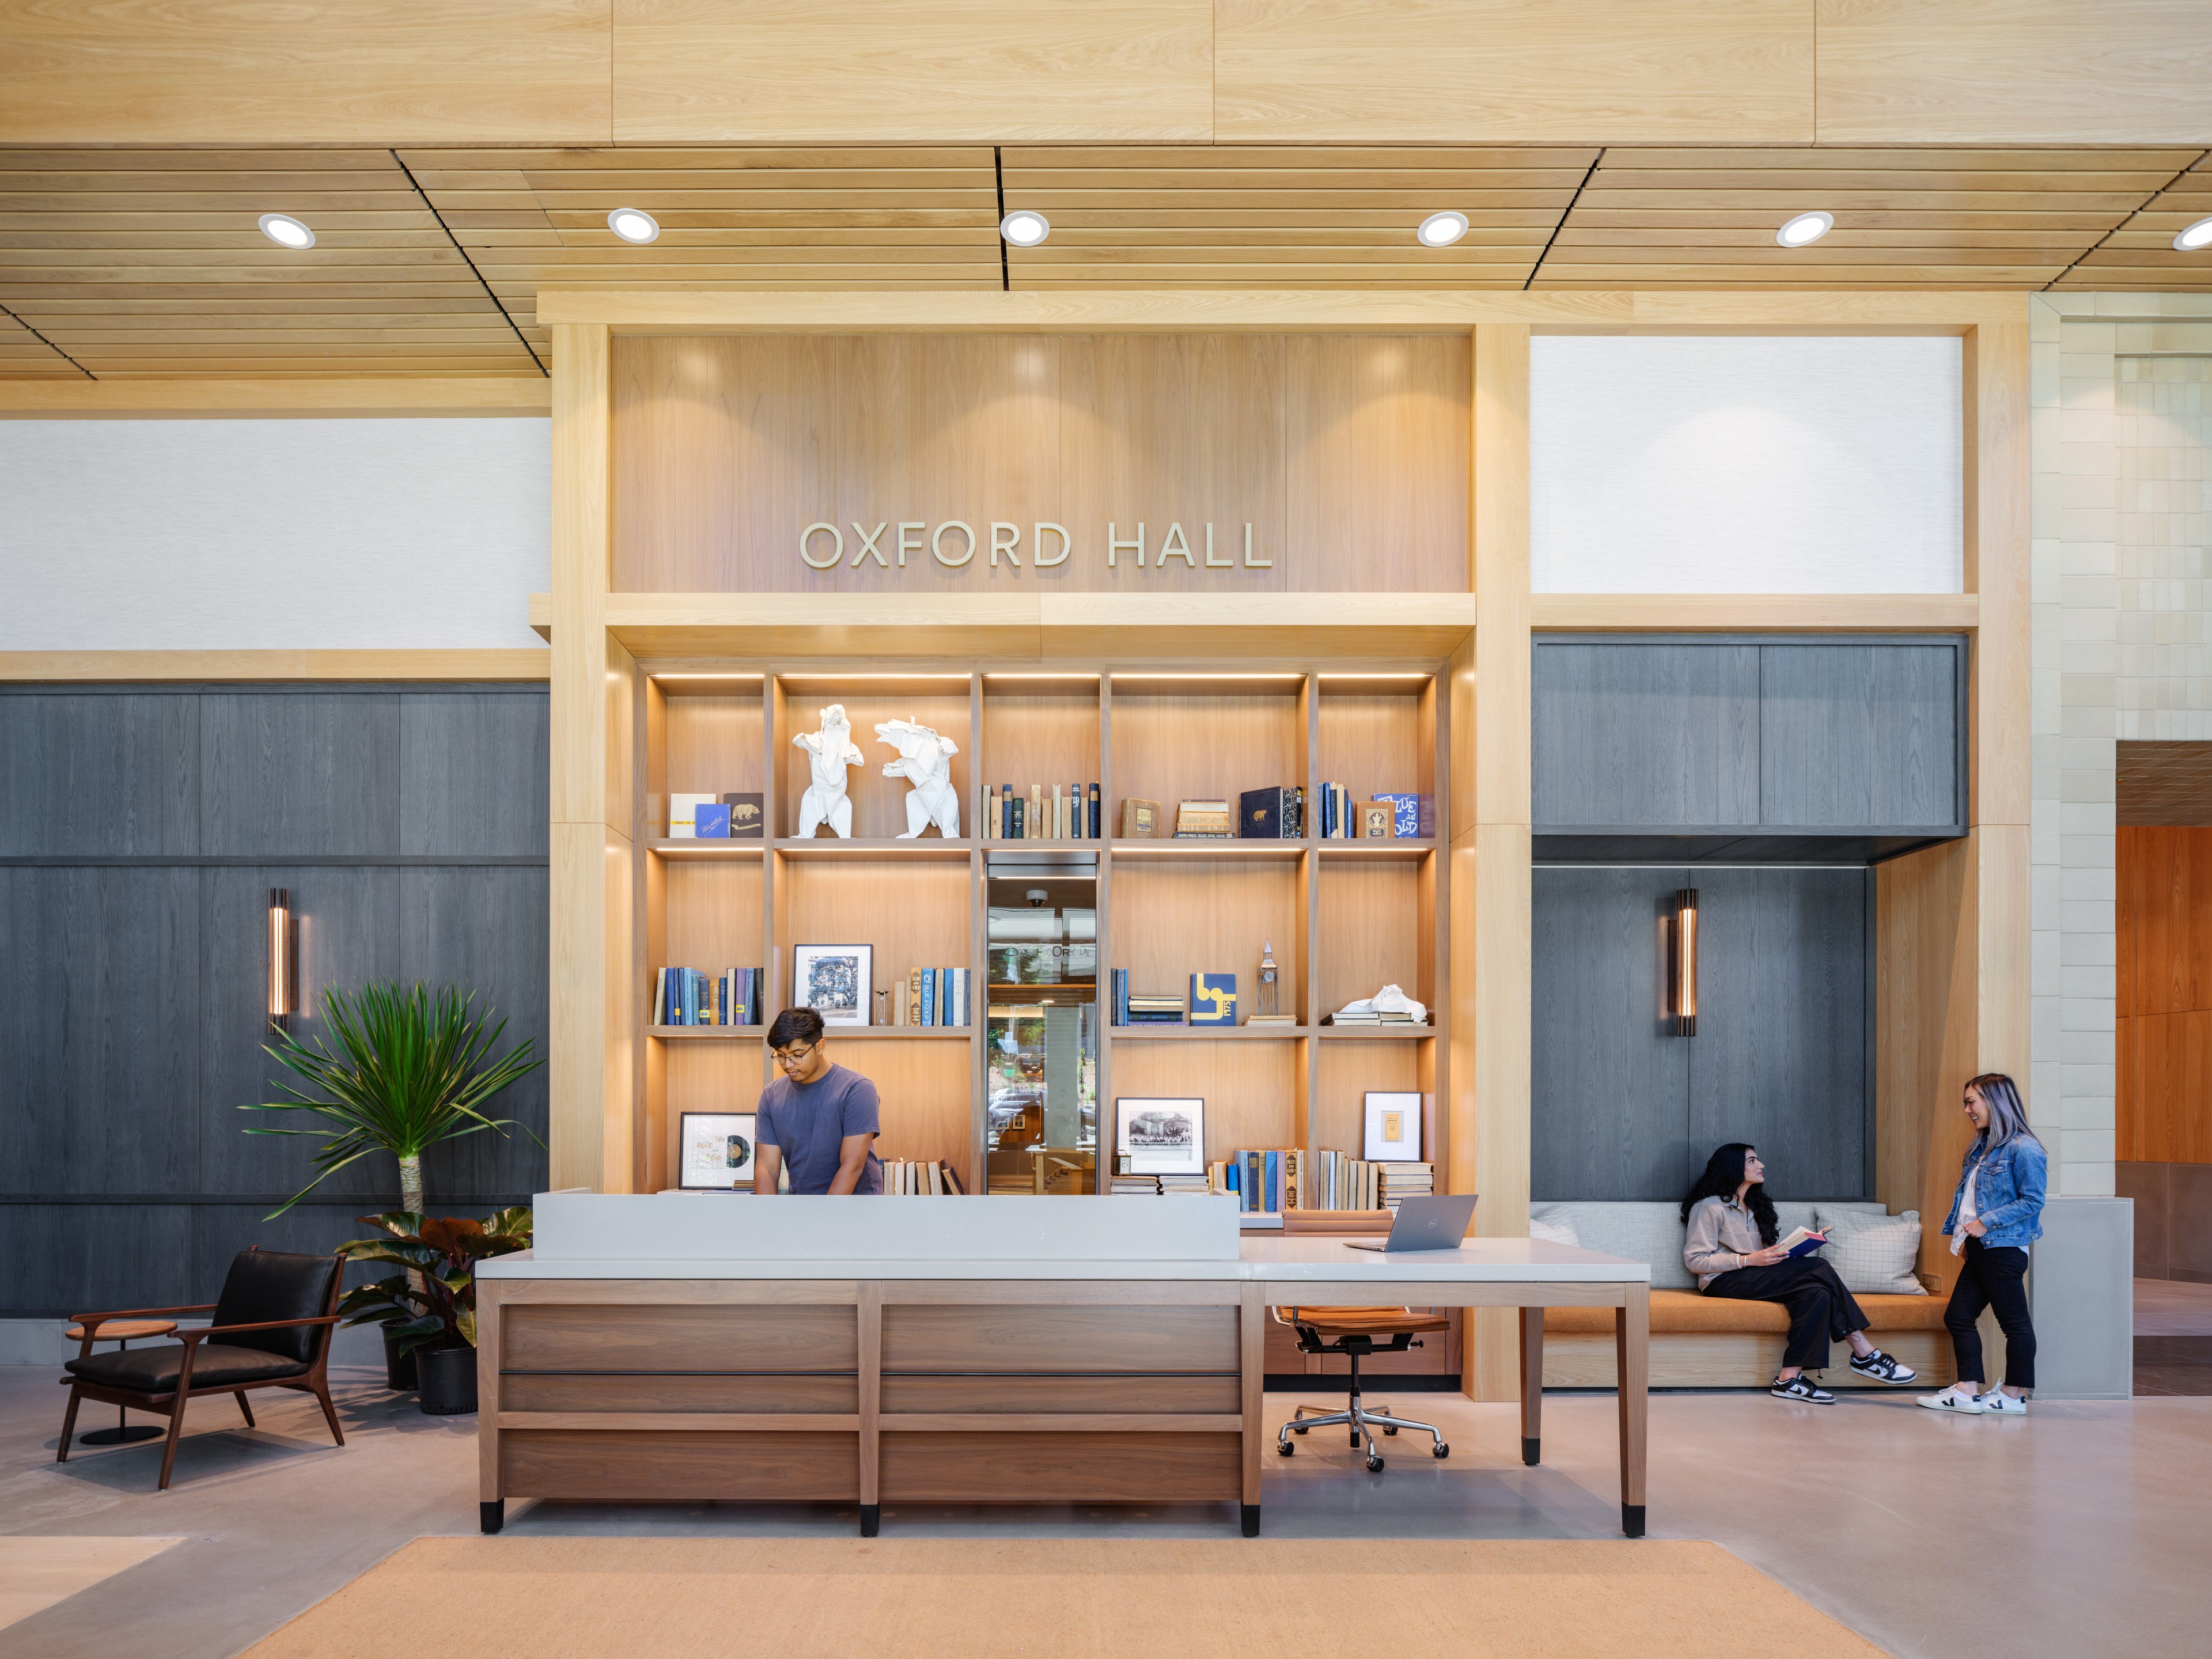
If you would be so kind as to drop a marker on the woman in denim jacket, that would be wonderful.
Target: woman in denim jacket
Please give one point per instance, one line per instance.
(1996, 1213)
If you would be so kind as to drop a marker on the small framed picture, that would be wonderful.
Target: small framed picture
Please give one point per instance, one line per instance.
(1394, 1128)
(1160, 1136)
(717, 1152)
(836, 980)
(1378, 821)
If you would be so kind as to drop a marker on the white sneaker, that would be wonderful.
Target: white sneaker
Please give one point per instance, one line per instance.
(2001, 1404)
(1952, 1400)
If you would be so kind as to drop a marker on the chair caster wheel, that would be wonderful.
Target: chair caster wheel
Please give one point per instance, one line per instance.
(1285, 1447)
(1374, 1466)
(1440, 1450)
(1389, 1431)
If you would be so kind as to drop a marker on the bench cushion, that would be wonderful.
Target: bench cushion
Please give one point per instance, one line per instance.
(1676, 1311)
(1650, 1233)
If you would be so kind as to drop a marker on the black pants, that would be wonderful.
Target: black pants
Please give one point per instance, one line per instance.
(1992, 1279)
(1821, 1310)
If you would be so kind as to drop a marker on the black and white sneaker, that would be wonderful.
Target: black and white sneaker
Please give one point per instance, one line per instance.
(1879, 1367)
(1797, 1388)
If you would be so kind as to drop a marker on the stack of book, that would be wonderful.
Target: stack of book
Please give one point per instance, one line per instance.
(1404, 1181)
(684, 996)
(1201, 1185)
(903, 1179)
(1144, 1007)
(1125, 1185)
(1366, 1016)
(1204, 820)
(1058, 811)
(933, 996)
(1266, 1180)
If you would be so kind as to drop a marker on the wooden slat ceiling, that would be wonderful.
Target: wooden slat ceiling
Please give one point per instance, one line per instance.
(145, 262)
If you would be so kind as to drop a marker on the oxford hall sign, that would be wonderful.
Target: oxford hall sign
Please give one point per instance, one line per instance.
(956, 544)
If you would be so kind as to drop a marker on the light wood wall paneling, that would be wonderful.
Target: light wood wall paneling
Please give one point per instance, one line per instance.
(1348, 1068)
(1174, 738)
(909, 71)
(1174, 917)
(1037, 731)
(2165, 994)
(1514, 71)
(1497, 1120)
(914, 912)
(2012, 71)
(1371, 930)
(1251, 1089)
(712, 746)
(521, 391)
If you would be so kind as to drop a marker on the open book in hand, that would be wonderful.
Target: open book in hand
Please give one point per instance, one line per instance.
(1804, 1241)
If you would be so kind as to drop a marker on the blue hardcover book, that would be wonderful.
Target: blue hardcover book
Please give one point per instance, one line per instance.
(711, 821)
(929, 996)
(1213, 998)
(1406, 810)
(1235, 1180)
(1274, 1181)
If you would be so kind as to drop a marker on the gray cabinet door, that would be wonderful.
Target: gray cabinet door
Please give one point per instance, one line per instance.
(1860, 736)
(1609, 1096)
(1780, 1058)
(1653, 736)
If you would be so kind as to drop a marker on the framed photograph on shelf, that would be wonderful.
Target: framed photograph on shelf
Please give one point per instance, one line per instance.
(1394, 1128)
(1159, 1136)
(718, 1151)
(836, 980)
(1378, 821)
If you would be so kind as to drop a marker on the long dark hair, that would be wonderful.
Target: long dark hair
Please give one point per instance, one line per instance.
(1723, 1175)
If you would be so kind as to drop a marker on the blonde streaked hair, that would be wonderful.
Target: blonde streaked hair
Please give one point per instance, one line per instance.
(2007, 1115)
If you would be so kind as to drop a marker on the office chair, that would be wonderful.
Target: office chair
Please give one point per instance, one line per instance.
(1357, 1331)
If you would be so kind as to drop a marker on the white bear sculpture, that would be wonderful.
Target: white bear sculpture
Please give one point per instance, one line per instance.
(926, 762)
(831, 750)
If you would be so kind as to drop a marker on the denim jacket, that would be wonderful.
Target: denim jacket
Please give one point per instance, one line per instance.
(2008, 1196)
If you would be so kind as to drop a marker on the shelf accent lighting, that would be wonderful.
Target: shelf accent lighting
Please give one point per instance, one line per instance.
(1024, 227)
(283, 957)
(1442, 229)
(1805, 229)
(633, 225)
(2194, 239)
(1682, 964)
(285, 231)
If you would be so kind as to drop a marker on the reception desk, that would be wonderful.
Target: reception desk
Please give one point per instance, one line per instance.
(949, 1350)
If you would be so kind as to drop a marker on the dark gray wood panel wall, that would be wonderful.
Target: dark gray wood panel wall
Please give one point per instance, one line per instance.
(1622, 1108)
(140, 831)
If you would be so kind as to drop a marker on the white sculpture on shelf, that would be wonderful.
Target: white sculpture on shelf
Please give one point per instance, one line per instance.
(830, 750)
(1391, 999)
(926, 762)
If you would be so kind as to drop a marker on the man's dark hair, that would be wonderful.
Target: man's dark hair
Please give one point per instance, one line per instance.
(795, 1025)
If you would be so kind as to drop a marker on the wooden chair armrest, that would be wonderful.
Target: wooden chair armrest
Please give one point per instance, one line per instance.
(202, 1333)
(87, 1321)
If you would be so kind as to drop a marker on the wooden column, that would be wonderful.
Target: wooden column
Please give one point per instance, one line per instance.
(1489, 847)
(589, 1071)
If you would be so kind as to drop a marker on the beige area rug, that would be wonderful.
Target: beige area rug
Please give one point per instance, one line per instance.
(37, 1572)
(689, 1598)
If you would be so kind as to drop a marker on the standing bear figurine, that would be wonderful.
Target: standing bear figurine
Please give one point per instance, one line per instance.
(925, 760)
(831, 750)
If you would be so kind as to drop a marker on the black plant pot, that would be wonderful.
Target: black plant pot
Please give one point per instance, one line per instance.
(446, 1381)
(399, 1366)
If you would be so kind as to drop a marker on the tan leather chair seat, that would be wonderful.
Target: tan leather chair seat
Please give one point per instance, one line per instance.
(1677, 1311)
(1363, 1322)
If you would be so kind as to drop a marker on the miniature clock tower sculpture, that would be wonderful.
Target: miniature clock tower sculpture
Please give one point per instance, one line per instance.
(1266, 1007)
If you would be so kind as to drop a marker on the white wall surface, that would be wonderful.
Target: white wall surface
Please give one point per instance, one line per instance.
(272, 535)
(1759, 465)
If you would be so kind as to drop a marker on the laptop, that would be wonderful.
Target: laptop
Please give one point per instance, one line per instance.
(1437, 1222)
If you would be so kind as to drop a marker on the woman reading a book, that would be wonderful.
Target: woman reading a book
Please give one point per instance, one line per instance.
(1732, 1248)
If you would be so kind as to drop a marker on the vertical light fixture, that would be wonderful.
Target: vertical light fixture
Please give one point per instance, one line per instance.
(1682, 964)
(283, 957)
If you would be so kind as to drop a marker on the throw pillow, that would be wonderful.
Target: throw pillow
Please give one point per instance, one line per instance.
(1874, 1255)
(1555, 1232)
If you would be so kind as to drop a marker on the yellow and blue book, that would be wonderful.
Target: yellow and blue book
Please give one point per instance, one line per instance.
(1213, 998)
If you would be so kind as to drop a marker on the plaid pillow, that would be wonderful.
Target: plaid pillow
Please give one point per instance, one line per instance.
(1872, 1253)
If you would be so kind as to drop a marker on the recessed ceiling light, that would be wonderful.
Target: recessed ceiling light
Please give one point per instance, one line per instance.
(283, 229)
(1805, 228)
(1024, 229)
(2194, 237)
(1442, 229)
(633, 226)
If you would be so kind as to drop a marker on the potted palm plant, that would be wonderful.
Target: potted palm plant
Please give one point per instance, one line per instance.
(428, 1311)
(408, 1069)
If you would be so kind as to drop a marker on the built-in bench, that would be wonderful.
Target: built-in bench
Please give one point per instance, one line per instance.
(1710, 1342)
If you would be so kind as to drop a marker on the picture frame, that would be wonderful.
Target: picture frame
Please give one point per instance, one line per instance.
(716, 1152)
(1378, 821)
(1160, 1134)
(836, 980)
(1393, 1126)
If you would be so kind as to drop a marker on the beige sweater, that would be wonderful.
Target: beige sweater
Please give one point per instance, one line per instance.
(1722, 1234)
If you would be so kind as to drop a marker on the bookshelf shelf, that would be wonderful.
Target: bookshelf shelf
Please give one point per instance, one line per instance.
(1168, 848)
(1405, 851)
(1374, 1033)
(901, 1033)
(708, 1033)
(923, 849)
(1207, 1033)
(711, 847)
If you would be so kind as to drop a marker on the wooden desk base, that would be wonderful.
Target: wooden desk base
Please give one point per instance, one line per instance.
(929, 1391)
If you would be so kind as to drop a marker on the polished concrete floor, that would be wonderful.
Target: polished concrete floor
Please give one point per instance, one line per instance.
(2078, 1532)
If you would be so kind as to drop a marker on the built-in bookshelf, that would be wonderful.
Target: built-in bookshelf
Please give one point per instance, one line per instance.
(1345, 916)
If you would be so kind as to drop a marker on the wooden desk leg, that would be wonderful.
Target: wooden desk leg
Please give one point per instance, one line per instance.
(1532, 1386)
(1632, 1341)
(871, 1399)
(491, 1508)
(1252, 1345)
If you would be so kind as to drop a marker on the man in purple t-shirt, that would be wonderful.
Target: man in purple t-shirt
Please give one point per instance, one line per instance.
(818, 1118)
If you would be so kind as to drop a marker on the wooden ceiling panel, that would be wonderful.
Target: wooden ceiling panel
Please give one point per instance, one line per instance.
(24, 356)
(2141, 254)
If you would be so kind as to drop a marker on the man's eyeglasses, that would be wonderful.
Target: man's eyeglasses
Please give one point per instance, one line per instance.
(792, 1058)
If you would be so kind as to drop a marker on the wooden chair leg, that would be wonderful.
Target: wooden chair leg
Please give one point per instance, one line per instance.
(330, 1411)
(69, 1427)
(248, 1409)
(169, 1450)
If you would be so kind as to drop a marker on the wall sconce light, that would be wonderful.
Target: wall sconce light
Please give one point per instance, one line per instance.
(1682, 964)
(283, 958)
